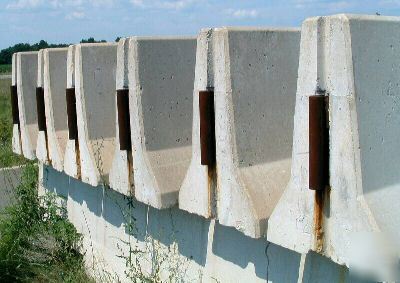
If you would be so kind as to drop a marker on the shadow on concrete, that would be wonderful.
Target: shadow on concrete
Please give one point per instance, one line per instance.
(270, 261)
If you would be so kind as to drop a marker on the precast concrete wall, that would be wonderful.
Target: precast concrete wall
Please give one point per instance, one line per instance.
(55, 81)
(27, 70)
(16, 136)
(95, 66)
(254, 86)
(125, 239)
(351, 61)
(161, 75)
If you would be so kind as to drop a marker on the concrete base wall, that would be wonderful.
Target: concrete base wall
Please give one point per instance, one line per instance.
(186, 247)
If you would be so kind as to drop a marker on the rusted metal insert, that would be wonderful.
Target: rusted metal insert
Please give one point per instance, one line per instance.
(41, 114)
(71, 114)
(207, 127)
(14, 104)
(124, 119)
(318, 142)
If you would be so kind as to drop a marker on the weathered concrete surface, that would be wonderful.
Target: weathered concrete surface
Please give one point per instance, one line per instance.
(185, 247)
(95, 66)
(55, 82)
(255, 87)
(121, 174)
(196, 194)
(71, 156)
(16, 137)
(161, 75)
(27, 68)
(41, 144)
(353, 60)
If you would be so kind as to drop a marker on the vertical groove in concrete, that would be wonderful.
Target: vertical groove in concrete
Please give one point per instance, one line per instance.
(16, 136)
(41, 146)
(71, 157)
(121, 173)
(27, 70)
(95, 66)
(196, 194)
(161, 83)
(55, 82)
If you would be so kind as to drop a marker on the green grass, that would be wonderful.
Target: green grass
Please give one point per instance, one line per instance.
(5, 69)
(7, 157)
(37, 243)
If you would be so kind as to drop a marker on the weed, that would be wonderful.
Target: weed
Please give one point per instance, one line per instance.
(37, 243)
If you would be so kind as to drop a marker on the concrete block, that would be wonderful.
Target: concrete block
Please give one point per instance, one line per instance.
(254, 84)
(352, 60)
(71, 157)
(161, 75)
(121, 173)
(16, 137)
(95, 66)
(54, 84)
(197, 191)
(41, 144)
(27, 68)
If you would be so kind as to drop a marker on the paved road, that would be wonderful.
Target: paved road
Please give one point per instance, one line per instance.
(4, 77)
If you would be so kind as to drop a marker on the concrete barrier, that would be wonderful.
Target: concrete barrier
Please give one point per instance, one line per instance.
(55, 81)
(160, 85)
(95, 66)
(121, 173)
(27, 68)
(254, 86)
(351, 64)
(41, 144)
(71, 157)
(16, 137)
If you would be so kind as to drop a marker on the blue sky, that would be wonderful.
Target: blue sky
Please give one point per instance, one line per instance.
(68, 21)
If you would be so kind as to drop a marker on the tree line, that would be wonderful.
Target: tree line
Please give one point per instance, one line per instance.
(6, 54)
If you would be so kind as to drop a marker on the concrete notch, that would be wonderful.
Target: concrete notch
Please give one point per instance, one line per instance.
(121, 174)
(27, 70)
(54, 84)
(95, 66)
(16, 137)
(253, 125)
(71, 156)
(41, 145)
(161, 75)
(353, 61)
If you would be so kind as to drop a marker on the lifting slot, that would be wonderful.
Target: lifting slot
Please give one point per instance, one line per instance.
(207, 127)
(124, 128)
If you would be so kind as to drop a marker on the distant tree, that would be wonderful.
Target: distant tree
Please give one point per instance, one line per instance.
(91, 40)
(6, 54)
(118, 39)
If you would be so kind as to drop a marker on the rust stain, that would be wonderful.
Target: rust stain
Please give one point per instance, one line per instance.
(319, 163)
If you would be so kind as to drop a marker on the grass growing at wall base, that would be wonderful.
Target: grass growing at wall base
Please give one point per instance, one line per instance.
(37, 243)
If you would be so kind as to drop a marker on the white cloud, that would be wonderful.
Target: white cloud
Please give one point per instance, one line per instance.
(24, 4)
(242, 13)
(57, 4)
(167, 5)
(76, 15)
